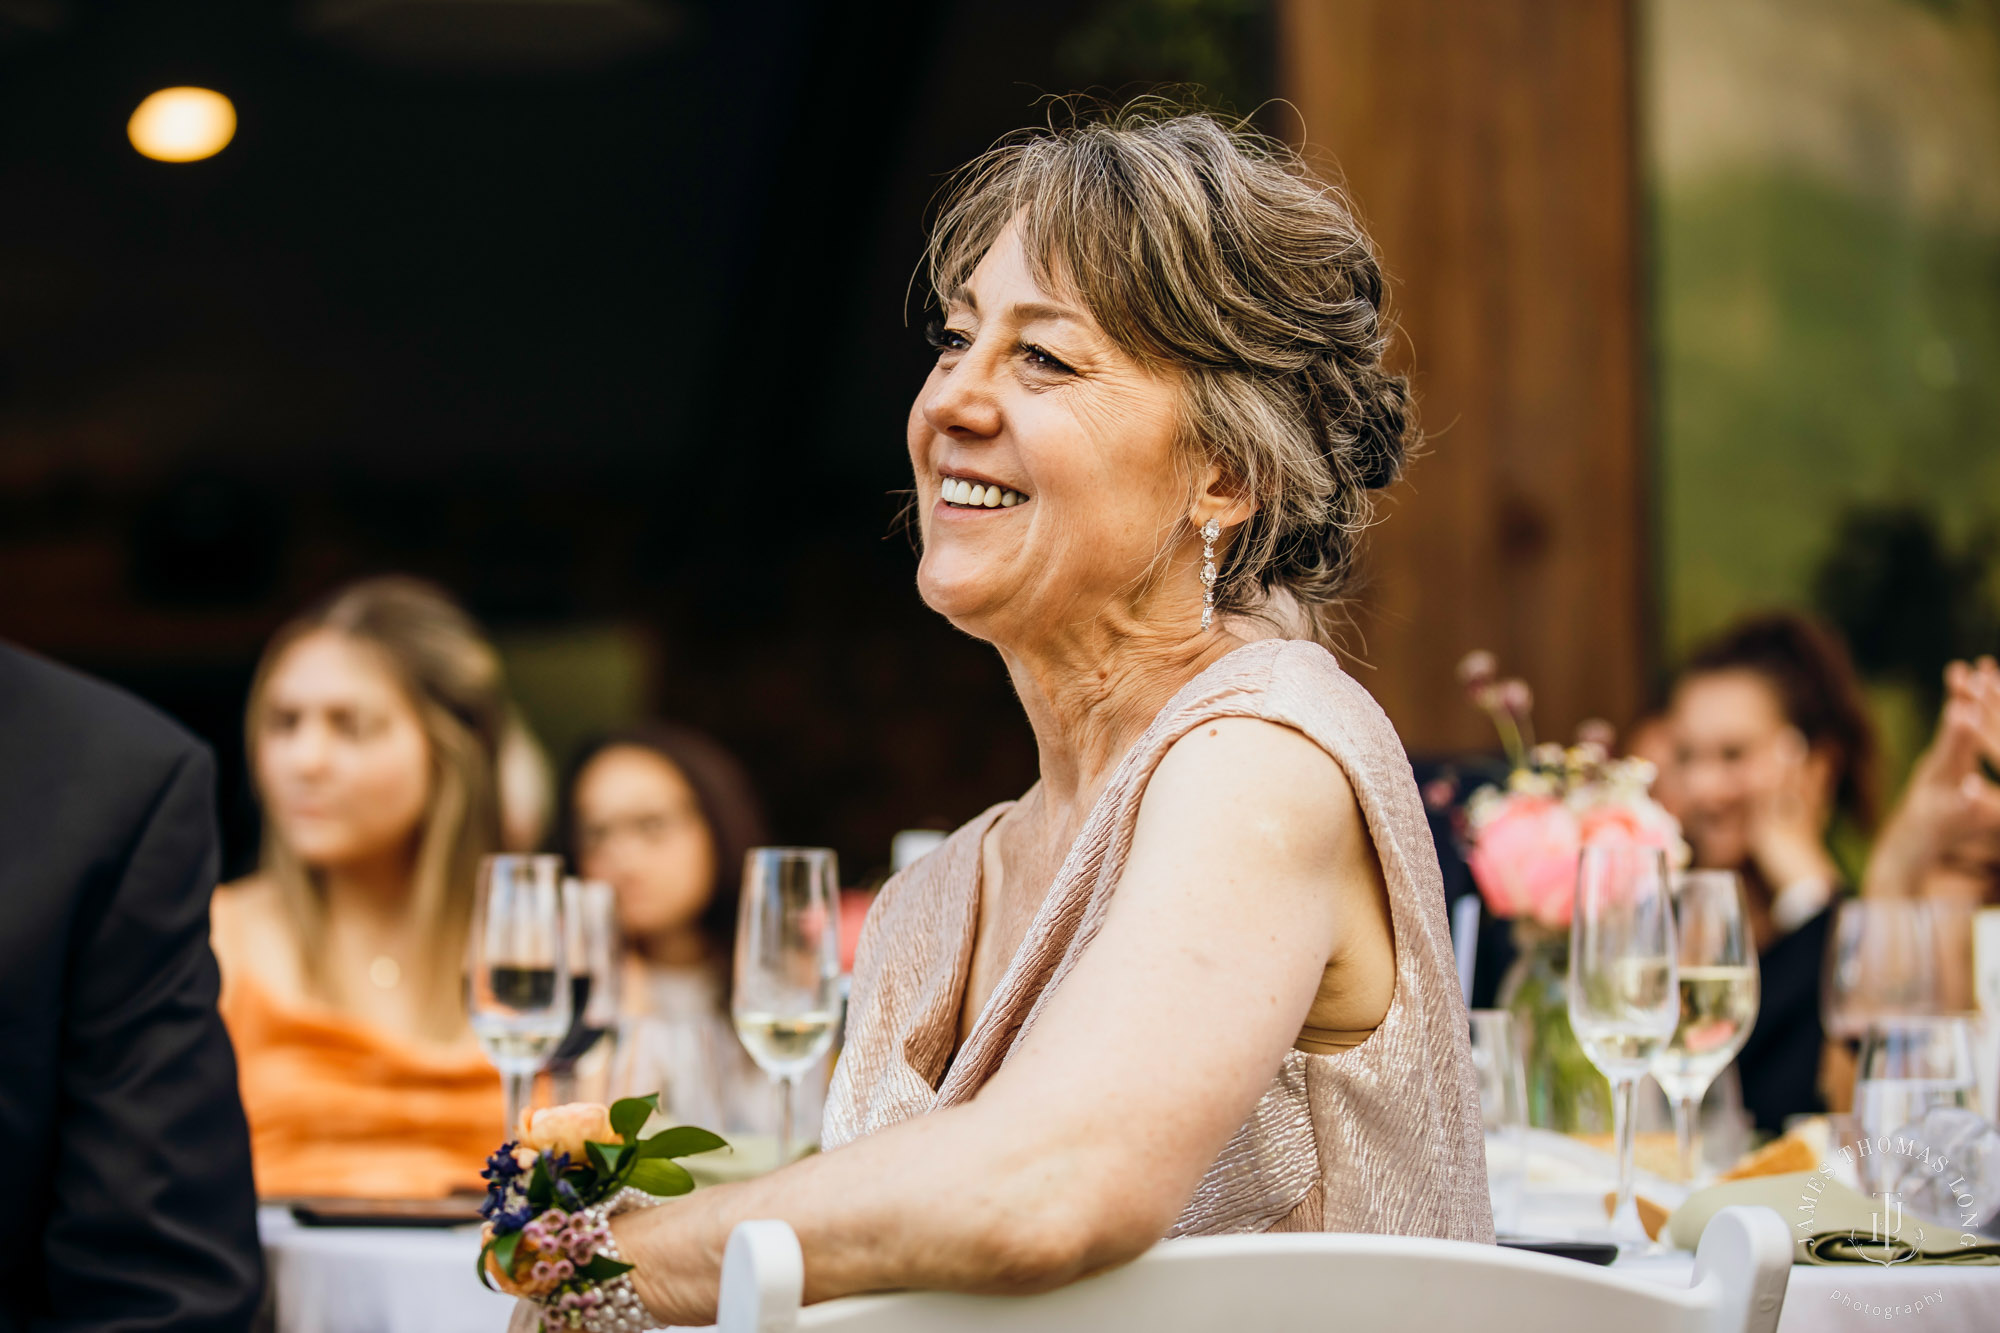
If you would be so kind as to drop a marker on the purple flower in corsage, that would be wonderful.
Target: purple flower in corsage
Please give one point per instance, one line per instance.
(545, 1229)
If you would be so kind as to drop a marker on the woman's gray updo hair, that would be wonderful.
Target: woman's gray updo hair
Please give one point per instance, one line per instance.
(1210, 250)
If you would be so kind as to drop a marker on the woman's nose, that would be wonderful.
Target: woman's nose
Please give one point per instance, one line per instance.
(961, 402)
(309, 749)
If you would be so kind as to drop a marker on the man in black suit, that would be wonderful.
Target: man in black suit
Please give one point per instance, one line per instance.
(130, 1205)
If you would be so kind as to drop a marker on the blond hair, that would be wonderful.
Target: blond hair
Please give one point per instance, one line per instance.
(452, 676)
(1211, 250)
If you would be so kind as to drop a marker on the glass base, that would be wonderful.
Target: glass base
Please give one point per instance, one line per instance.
(1628, 1233)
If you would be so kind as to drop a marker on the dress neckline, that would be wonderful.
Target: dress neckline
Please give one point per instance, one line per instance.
(988, 1027)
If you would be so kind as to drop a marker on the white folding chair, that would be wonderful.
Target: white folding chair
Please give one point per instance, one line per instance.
(1245, 1284)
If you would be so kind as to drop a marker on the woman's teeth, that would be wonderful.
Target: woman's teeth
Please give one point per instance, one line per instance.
(969, 495)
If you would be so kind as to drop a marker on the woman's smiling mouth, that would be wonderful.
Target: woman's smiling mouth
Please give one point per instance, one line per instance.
(962, 493)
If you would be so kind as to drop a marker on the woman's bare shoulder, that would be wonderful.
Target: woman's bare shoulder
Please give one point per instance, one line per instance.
(251, 931)
(1277, 767)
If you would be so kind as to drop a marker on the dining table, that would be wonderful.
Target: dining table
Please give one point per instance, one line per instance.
(398, 1279)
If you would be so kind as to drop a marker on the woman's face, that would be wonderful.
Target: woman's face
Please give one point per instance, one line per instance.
(640, 829)
(1731, 738)
(343, 764)
(1029, 396)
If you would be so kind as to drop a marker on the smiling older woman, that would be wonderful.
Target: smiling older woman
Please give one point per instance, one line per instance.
(1198, 978)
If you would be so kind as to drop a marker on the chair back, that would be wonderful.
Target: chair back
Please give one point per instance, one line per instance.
(1231, 1284)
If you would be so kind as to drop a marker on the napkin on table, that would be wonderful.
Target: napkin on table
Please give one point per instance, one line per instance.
(1842, 1227)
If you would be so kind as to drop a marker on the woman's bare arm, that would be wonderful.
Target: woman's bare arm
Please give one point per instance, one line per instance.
(1083, 1148)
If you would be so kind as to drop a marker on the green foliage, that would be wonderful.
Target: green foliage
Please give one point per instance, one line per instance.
(681, 1141)
(629, 1114)
(502, 1249)
(1906, 600)
(1818, 351)
(658, 1176)
(1216, 51)
(602, 1268)
(605, 1158)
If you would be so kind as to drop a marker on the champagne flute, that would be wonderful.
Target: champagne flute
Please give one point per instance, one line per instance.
(590, 936)
(1503, 1106)
(1907, 1067)
(1880, 965)
(1624, 994)
(1719, 987)
(517, 993)
(785, 998)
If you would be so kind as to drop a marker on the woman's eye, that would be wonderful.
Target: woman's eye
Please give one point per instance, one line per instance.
(943, 339)
(1040, 356)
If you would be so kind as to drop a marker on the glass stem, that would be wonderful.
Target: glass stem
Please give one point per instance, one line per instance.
(1623, 1097)
(1685, 1111)
(786, 1087)
(520, 1092)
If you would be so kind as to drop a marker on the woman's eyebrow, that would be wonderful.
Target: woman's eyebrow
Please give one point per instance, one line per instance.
(1025, 312)
(1022, 312)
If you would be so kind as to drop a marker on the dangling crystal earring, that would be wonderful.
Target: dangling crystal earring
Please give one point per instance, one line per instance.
(1209, 532)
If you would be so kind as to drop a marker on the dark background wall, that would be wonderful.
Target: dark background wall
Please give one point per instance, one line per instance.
(620, 346)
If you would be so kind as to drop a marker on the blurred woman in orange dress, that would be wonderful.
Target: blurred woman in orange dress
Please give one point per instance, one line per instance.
(373, 727)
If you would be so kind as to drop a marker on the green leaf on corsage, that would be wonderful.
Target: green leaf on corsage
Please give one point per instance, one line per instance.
(541, 1189)
(605, 1158)
(680, 1141)
(630, 1114)
(502, 1249)
(659, 1177)
(602, 1268)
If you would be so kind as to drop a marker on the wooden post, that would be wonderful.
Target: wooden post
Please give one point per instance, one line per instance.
(1491, 148)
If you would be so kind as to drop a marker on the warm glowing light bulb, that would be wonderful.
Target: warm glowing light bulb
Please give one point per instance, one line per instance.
(182, 124)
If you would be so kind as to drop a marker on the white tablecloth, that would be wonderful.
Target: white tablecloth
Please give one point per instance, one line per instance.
(414, 1280)
(377, 1279)
(1934, 1298)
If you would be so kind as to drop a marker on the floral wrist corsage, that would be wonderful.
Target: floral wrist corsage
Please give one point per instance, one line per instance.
(551, 1194)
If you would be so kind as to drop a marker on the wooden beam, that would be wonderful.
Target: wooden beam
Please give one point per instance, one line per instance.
(1491, 147)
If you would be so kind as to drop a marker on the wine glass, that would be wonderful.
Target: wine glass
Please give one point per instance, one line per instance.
(1503, 1107)
(786, 996)
(590, 937)
(1907, 1067)
(1718, 997)
(1881, 964)
(1624, 993)
(517, 993)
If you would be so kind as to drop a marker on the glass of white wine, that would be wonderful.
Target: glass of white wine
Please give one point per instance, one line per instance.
(1719, 990)
(1907, 1067)
(1624, 994)
(786, 995)
(517, 984)
(1881, 964)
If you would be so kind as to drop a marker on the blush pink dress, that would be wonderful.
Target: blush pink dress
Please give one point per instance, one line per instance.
(1374, 1132)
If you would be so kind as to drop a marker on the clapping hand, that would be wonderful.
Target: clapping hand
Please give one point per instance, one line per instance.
(1950, 812)
(1789, 815)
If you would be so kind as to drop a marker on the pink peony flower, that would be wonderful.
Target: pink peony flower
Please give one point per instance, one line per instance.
(1642, 824)
(1524, 858)
(565, 1129)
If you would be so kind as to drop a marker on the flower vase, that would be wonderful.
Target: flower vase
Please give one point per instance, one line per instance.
(1566, 1093)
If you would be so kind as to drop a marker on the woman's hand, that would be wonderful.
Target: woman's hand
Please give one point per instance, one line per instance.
(1789, 816)
(1950, 811)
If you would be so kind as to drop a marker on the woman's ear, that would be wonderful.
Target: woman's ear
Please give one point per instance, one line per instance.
(1221, 497)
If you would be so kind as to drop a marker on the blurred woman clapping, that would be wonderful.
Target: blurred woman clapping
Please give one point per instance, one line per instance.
(373, 727)
(1773, 745)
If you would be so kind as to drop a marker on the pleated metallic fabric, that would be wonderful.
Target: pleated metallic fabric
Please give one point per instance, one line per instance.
(1380, 1137)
